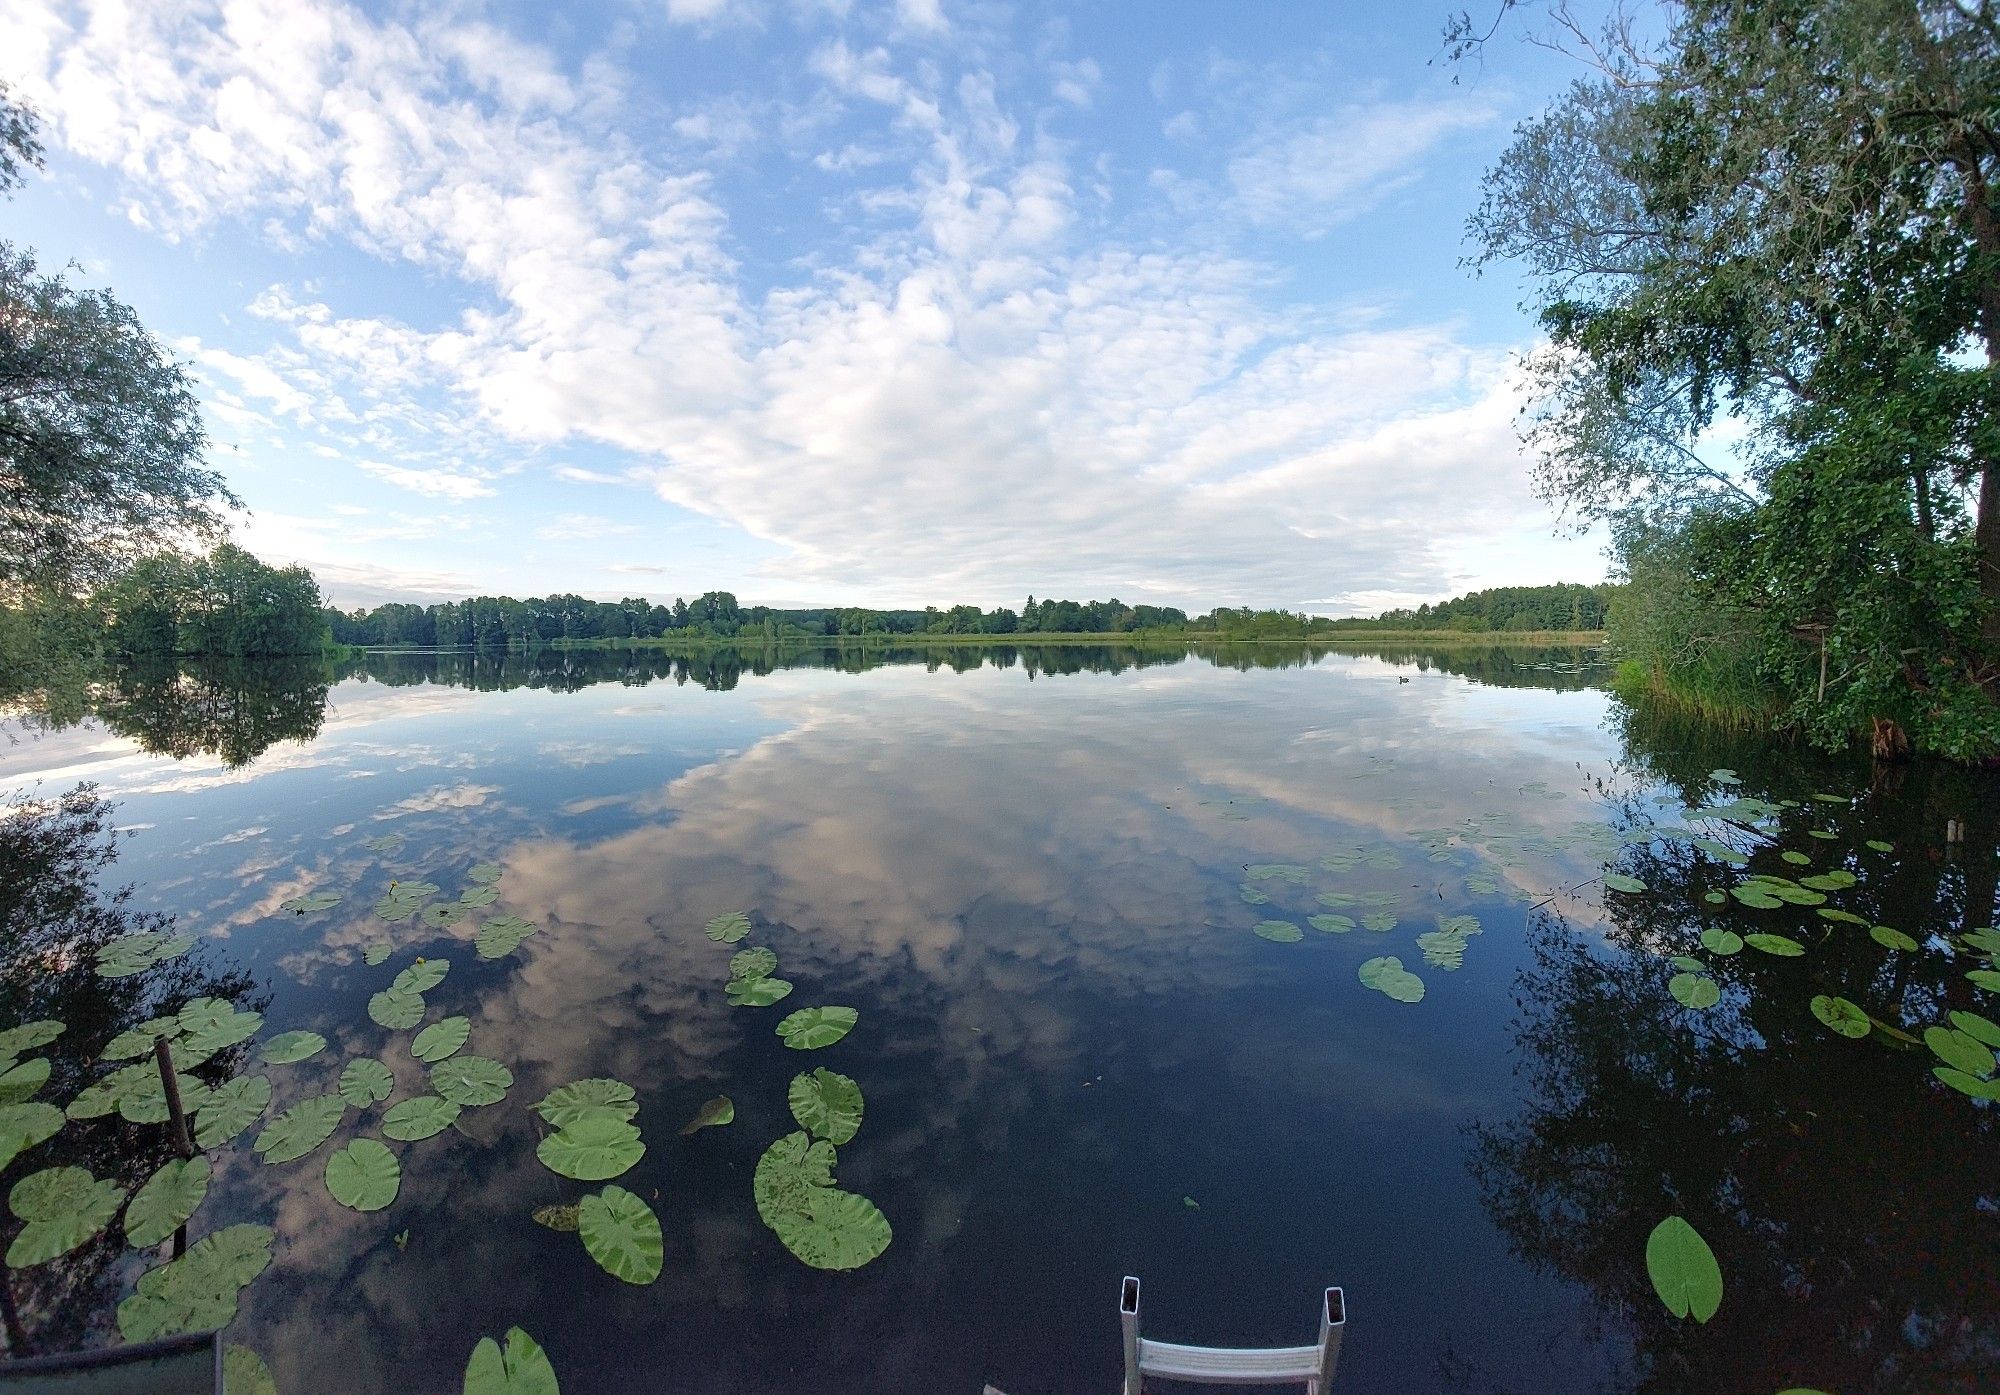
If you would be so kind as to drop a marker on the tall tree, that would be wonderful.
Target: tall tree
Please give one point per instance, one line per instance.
(1783, 213)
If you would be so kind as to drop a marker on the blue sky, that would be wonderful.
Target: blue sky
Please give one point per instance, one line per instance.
(878, 302)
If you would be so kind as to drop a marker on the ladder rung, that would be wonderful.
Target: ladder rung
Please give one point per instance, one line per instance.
(1228, 1365)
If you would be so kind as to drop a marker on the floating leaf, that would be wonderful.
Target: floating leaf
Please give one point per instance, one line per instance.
(582, 1099)
(622, 1234)
(441, 1039)
(445, 914)
(25, 1126)
(471, 1080)
(1967, 1084)
(1387, 975)
(23, 1080)
(164, 1203)
(198, 1291)
(1278, 931)
(757, 962)
(1890, 938)
(1823, 833)
(1840, 1015)
(300, 1129)
(1688, 962)
(231, 1108)
(364, 1175)
(1618, 881)
(1984, 978)
(1781, 945)
(1252, 896)
(1879, 846)
(1719, 941)
(788, 1168)
(29, 1035)
(421, 977)
(410, 1120)
(1694, 990)
(134, 954)
(1381, 922)
(478, 896)
(244, 1372)
(1978, 1028)
(520, 1368)
(1797, 859)
(501, 936)
(1277, 871)
(385, 842)
(209, 1026)
(1715, 898)
(813, 1027)
(63, 1207)
(1755, 897)
(1960, 1050)
(718, 1111)
(1839, 879)
(138, 1041)
(594, 1148)
(308, 904)
(365, 1081)
(135, 1093)
(728, 929)
(1839, 916)
(486, 873)
(561, 1219)
(756, 992)
(1330, 924)
(1683, 1270)
(832, 1229)
(395, 1009)
(288, 1047)
(375, 952)
(826, 1104)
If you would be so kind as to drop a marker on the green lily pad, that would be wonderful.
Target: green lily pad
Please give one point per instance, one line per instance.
(444, 914)
(135, 1093)
(384, 842)
(791, 1166)
(1252, 896)
(198, 1291)
(1381, 922)
(826, 1104)
(1683, 1270)
(728, 929)
(1878, 845)
(519, 1368)
(501, 936)
(1694, 990)
(395, 1009)
(1278, 872)
(581, 1099)
(471, 1080)
(310, 903)
(421, 977)
(1988, 979)
(478, 897)
(209, 1026)
(64, 1208)
(375, 952)
(1278, 932)
(288, 1047)
(138, 1041)
(244, 1372)
(300, 1129)
(365, 1081)
(1688, 962)
(622, 1234)
(1618, 881)
(1719, 941)
(1781, 945)
(1891, 938)
(1980, 1029)
(231, 1108)
(1715, 898)
(164, 1203)
(718, 1111)
(1840, 1015)
(595, 1148)
(423, 1116)
(814, 1027)
(1330, 924)
(134, 954)
(832, 1229)
(29, 1035)
(25, 1126)
(754, 963)
(756, 992)
(1388, 976)
(1755, 897)
(1839, 879)
(1797, 859)
(441, 1040)
(364, 1175)
(1967, 1084)
(1825, 834)
(23, 1080)
(1960, 1050)
(486, 873)
(1840, 917)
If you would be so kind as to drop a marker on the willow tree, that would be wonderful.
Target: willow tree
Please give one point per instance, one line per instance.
(1764, 244)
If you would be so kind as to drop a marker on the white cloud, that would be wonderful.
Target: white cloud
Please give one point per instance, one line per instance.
(978, 387)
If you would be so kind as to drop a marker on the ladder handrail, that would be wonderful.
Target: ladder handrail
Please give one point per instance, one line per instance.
(1313, 1366)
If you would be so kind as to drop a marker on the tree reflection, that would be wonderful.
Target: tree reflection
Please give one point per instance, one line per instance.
(54, 915)
(1847, 1194)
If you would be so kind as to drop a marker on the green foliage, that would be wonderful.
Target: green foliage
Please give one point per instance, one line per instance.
(1683, 1270)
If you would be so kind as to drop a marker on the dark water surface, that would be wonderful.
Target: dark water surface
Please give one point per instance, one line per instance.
(1030, 872)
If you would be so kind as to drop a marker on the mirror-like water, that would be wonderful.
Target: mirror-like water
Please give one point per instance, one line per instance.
(1038, 876)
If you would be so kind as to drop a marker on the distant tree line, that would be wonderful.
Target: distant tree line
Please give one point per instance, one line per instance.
(1565, 606)
(226, 604)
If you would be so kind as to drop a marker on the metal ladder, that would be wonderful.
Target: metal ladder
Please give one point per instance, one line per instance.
(1309, 1366)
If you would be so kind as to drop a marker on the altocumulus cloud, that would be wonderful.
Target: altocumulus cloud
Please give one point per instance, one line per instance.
(978, 375)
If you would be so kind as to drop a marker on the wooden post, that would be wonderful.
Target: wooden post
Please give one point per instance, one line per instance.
(177, 1124)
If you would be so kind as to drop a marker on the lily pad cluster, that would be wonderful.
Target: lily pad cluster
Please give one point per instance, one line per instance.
(820, 1224)
(1444, 947)
(751, 981)
(594, 1138)
(134, 954)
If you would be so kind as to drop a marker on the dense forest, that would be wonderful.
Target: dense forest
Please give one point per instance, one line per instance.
(225, 604)
(489, 622)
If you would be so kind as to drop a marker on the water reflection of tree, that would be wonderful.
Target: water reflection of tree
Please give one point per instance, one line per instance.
(1846, 1193)
(54, 914)
(236, 710)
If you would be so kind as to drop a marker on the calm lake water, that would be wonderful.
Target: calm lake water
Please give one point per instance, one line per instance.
(1038, 876)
